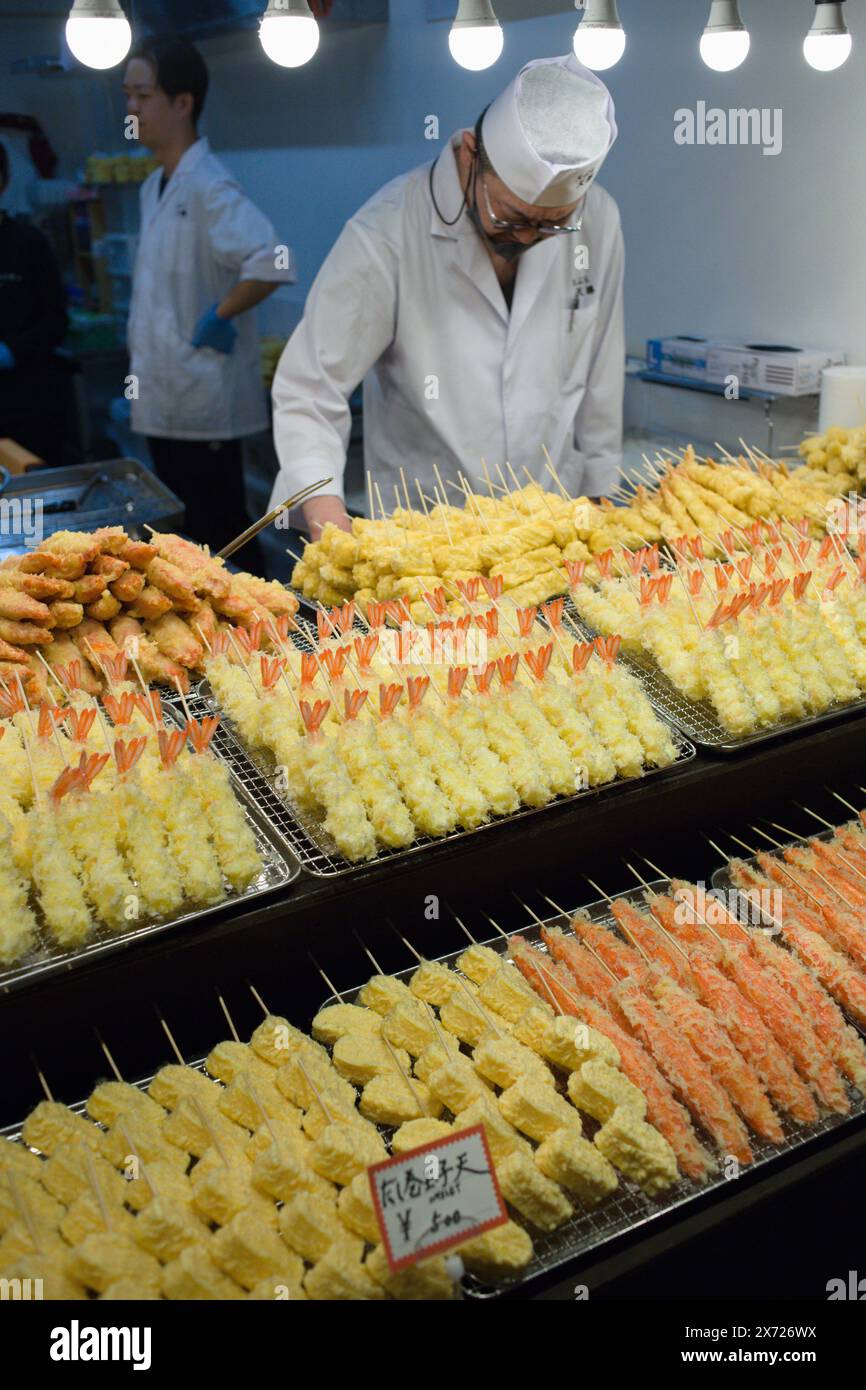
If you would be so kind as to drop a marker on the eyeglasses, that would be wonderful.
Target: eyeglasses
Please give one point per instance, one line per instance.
(543, 228)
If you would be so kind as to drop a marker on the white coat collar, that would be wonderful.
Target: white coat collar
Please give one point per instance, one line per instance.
(193, 156)
(155, 204)
(471, 256)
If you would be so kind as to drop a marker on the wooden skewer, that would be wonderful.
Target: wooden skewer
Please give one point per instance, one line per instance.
(174, 1047)
(844, 802)
(145, 1173)
(108, 1056)
(569, 994)
(719, 851)
(385, 516)
(407, 944)
(737, 841)
(544, 495)
(497, 927)
(479, 1008)
(369, 954)
(465, 930)
(242, 663)
(37, 791)
(598, 960)
(632, 941)
(145, 688)
(209, 1129)
(640, 878)
(835, 891)
(814, 814)
(434, 1020)
(845, 860)
(656, 923)
(51, 672)
(253, 1091)
(557, 908)
(228, 1018)
(316, 1092)
(405, 490)
(600, 891)
(406, 1077)
(24, 1211)
(507, 491)
(553, 473)
(57, 739)
(42, 1082)
(94, 1183)
(782, 867)
(423, 500)
(198, 629)
(332, 987)
(259, 1000)
(485, 470)
(98, 662)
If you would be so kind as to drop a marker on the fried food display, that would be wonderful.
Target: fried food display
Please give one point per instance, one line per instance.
(85, 596)
(94, 842)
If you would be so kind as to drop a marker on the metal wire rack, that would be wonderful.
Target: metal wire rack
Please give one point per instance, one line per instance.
(304, 833)
(280, 867)
(628, 1208)
(696, 718)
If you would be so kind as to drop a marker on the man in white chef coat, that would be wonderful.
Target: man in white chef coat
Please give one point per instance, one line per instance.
(480, 301)
(207, 256)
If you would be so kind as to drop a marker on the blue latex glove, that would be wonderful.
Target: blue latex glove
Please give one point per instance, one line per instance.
(7, 358)
(214, 332)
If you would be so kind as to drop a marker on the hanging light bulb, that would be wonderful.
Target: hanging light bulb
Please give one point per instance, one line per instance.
(725, 41)
(476, 37)
(828, 42)
(289, 34)
(98, 33)
(599, 39)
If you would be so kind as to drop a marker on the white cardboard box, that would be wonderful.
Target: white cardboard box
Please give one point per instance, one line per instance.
(767, 367)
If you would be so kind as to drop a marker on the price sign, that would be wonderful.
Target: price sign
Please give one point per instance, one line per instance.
(433, 1198)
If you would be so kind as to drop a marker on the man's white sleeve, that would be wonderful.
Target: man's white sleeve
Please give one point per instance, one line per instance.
(598, 424)
(241, 236)
(348, 323)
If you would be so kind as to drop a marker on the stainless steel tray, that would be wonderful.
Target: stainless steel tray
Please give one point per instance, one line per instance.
(313, 847)
(628, 1208)
(281, 867)
(696, 718)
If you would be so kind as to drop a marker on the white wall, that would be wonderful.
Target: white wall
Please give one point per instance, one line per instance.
(725, 241)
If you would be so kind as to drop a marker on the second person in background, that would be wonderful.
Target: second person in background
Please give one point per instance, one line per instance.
(207, 256)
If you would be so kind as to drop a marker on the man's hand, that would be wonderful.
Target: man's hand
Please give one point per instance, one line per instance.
(320, 510)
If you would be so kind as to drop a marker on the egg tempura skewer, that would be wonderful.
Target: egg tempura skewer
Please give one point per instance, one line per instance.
(17, 924)
(53, 868)
(208, 780)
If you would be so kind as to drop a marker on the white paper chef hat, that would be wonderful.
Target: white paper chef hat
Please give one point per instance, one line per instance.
(548, 134)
